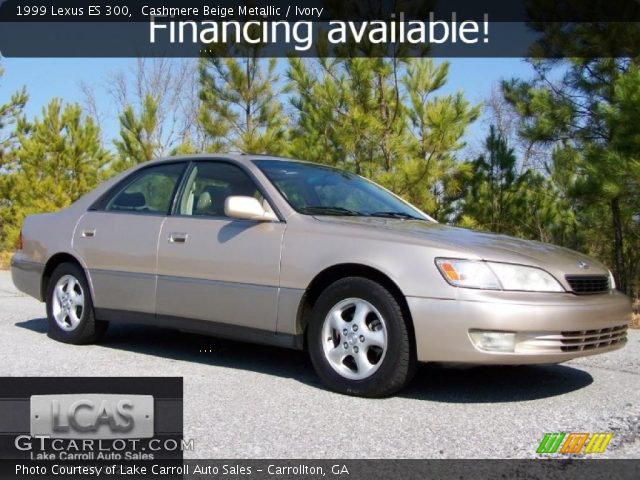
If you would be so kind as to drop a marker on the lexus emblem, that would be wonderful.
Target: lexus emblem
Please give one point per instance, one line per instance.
(583, 264)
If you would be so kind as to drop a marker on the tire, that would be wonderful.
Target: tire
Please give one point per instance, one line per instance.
(375, 357)
(70, 307)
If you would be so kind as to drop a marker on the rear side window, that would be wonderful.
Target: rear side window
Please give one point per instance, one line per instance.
(149, 191)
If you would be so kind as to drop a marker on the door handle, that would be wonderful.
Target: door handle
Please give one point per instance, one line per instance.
(178, 237)
(89, 233)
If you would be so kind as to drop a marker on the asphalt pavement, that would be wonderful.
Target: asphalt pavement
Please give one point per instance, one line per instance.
(247, 401)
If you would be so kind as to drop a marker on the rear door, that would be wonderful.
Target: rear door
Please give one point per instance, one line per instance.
(216, 269)
(118, 238)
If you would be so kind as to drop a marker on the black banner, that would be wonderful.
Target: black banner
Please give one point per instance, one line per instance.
(330, 469)
(280, 28)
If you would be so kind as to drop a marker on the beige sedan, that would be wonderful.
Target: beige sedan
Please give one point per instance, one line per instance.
(300, 255)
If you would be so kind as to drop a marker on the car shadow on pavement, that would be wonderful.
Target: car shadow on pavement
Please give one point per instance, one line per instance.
(495, 383)
(175, 345)
(433, 382)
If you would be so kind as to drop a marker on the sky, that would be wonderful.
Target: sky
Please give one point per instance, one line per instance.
(46, 78)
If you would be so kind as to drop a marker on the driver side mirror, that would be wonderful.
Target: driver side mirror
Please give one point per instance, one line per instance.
(247, 208)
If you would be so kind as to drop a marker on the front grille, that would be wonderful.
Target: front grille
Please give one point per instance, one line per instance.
(572, 341)
(588, 284)
(579, 340)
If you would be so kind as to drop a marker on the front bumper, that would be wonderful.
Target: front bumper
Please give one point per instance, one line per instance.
(27, 275)
(548, 328)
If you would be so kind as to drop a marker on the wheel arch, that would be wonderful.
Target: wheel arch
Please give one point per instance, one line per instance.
(336, 272)
(53, 262)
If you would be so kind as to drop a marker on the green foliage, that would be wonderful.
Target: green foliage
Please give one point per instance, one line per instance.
(185, 148)
(437, 125)
(349, 113)
(380, 118)
(9, 113)
(240, 110)
(318, 101)
(138, 140)
(588, 118)
(493, 188)
(57, 159)
(502, 199)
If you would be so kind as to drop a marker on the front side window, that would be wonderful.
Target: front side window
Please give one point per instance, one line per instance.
(209, 184)
(150, 191)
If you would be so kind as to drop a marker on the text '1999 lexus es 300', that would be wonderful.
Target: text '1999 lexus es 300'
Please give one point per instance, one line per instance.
(304, 256)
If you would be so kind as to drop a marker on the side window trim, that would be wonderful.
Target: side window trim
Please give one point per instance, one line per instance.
(181, 188)
(187, 173)
(100, 205)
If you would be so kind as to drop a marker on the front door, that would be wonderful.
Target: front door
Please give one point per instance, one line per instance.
(212, 268)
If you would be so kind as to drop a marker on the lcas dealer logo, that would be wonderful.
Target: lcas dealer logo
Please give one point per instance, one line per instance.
(92, 416)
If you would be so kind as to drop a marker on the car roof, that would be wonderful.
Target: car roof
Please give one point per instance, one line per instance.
(238, 157)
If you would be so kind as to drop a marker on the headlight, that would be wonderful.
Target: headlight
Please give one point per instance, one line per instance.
(496, 276)
(468, 273)
(612, 281)
(517, 277)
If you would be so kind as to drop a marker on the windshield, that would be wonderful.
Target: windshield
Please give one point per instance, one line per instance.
(318, 190)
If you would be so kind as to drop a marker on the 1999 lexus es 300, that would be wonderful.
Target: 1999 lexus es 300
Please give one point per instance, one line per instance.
(300, 255)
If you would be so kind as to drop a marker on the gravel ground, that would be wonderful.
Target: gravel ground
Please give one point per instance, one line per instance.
(245, 401)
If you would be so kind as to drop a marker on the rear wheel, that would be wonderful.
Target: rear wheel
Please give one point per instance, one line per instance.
(70, 307)
(359, 341)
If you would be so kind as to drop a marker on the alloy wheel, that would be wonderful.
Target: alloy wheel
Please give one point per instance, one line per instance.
(68, 303)
(354, 338)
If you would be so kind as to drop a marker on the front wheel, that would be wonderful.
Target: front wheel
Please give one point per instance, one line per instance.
(359, 341)
(70, 307)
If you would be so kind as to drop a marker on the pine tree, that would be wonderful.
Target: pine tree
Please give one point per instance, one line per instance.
(240, 109)
(493, 187)
(586, 118)
(9, 113)
(138, 136)
(504, 198)
(319, 92)
(350, 113)
(381, 118)
(432, 176)
(58, 158)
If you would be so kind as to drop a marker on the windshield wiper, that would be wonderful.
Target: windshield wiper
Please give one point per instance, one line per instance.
(319, 210)
(402, 215)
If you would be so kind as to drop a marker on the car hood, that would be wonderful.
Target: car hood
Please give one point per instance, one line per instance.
(487, 246)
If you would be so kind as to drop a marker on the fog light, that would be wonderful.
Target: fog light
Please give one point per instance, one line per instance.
(493, 341)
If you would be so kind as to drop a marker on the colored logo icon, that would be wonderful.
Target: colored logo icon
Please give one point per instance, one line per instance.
(574, 443)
